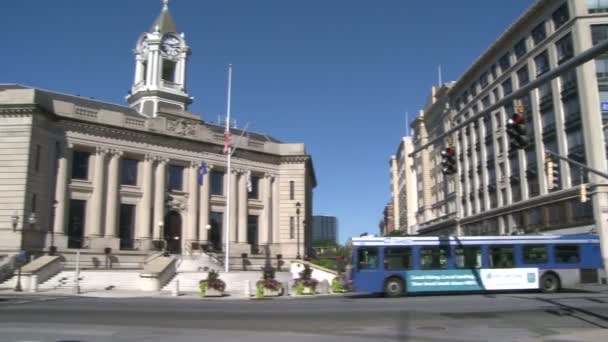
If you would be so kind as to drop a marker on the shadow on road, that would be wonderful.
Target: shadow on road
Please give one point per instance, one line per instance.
(571, 311)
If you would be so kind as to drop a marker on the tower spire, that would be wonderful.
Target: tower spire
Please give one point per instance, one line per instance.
(165, 5)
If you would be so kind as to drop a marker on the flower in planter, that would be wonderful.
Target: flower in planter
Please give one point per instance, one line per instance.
(267, 282)
(213, 281)
(306, 281)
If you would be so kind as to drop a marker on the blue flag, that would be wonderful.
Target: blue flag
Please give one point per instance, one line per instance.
(201, 173)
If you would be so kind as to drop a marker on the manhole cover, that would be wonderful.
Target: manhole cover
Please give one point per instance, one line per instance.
(430, 328)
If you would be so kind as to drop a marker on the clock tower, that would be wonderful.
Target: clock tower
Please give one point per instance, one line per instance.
(160, 68)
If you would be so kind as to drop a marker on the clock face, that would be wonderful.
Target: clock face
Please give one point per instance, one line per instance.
(170, 45)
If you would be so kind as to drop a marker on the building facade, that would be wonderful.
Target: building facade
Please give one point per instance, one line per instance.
(387, 223)
(403, 187)
(78, 173)
(325, 228)
(501, 190)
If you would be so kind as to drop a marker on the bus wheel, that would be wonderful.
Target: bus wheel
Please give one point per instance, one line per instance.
(393, 287)
(549, 283)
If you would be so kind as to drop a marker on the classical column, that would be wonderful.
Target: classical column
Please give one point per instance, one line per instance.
(159, 197)
(276, 232)
(233, 205)
(205, 207)
(61, 189)
(266, 214)
(94, 218)
(242, 236)
(191, 231)
(112, 195)
(145, 206)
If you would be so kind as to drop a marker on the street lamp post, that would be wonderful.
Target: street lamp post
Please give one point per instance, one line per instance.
(298, 205)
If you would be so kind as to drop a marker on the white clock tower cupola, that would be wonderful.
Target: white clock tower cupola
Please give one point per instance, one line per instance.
(160, 68)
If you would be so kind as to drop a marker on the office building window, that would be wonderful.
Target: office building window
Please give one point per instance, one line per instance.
(217, 182)
(520, 48)
(292, 228)
(542, 63)
(565, 50)
(523, 76)
(176, 177)
(539, 33)
(597, 6)
(505, 63)
(560, 16)
(128, 172)
(80, 165)
(291, 190)
(507, 87)
(599, 33)
(483, 80)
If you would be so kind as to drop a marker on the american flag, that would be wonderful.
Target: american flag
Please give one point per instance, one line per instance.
(201, 172)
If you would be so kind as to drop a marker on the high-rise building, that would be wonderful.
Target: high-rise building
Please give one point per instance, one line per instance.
(325, 228)
(403, 187)
(500, 189)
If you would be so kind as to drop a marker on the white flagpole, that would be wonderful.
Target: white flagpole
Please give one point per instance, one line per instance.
(228, 166)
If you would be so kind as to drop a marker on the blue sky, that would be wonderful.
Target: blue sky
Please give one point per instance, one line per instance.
(337, 75)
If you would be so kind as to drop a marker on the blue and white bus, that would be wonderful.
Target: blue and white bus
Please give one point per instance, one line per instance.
(401, 265)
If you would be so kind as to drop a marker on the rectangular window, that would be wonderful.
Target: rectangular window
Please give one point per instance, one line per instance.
(599, 33)
(367, 258)
(292, 227)
(542, 63)
(80, 165)
(34, 200)
(560, 16)
(37, 163)
(398, 258)
(255, 188)
(567, 254)
(217, 182)
(433, 258)
(597, 6)
(176, 177)
(523, 76)
(169, 70)
(501, 257)
(504, 62)
(128, 172)
(520, 48)
(535, 254)
(565, 50)
(291, 190)
(507, 87)
(467, 257)
(483, 80)
(539, 33)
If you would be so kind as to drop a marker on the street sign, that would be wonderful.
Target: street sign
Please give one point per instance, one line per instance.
(604, 106)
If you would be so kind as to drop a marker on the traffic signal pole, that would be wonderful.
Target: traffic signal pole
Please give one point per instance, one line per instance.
(603, 235)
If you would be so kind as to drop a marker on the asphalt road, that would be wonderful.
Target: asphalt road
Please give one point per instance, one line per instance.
(501, 317)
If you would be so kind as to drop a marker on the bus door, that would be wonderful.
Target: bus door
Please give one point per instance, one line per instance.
(367, 268)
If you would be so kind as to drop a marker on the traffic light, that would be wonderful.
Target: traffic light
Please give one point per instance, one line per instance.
(584, 193)
(552, 174)
(516, 128)
(448, 160)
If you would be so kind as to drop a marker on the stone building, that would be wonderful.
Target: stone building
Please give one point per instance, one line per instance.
(403, 187)
(79, 173)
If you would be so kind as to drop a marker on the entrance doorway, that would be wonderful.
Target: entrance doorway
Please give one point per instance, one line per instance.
(215, 234)
(252, 233)
(76, 223)
(173, 232)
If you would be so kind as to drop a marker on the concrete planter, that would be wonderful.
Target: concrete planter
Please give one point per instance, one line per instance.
(209, 292)
(271, 293)
(307, 290)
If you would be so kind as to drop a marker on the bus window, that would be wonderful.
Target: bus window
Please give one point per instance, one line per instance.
(467, 257)
(567, 254)
(501, 257)
(433, 258)
(535, 254)
(397, 258)
(368, 258)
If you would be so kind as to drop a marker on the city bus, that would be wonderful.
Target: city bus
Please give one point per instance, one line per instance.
(402, 265)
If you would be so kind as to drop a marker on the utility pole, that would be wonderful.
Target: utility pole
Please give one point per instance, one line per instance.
(228, 151)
